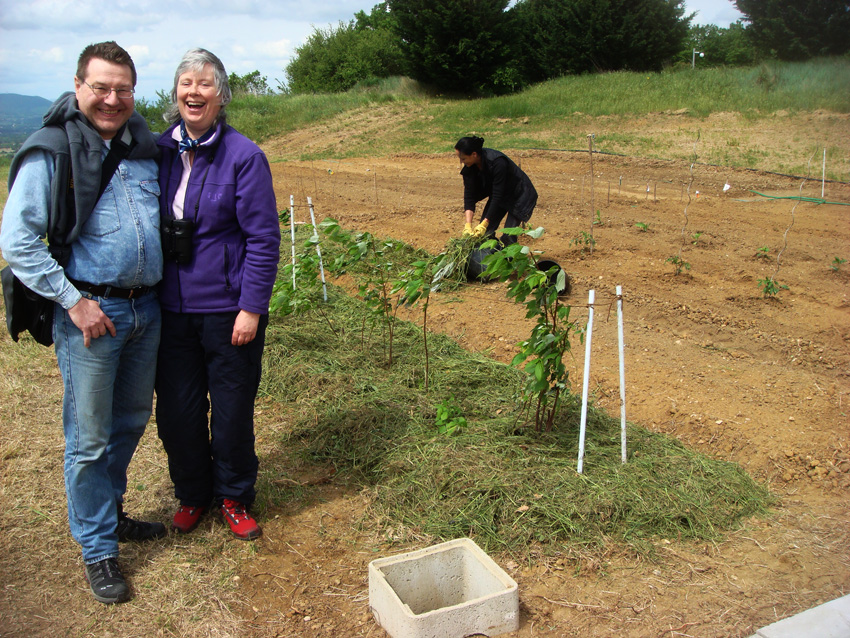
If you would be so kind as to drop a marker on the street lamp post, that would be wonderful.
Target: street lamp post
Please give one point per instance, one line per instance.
(694, 58)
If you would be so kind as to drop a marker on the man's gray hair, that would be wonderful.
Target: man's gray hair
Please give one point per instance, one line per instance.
(196, 60)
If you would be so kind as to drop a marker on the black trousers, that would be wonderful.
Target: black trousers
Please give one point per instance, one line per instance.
(199, 372)
(496, 215)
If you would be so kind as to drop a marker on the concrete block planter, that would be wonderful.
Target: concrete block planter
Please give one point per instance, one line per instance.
(450, 590)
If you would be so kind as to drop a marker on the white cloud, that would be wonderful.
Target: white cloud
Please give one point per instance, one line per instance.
(719, 12)
(53, 55)
(42, 39)
(139, 52)
(279, 49)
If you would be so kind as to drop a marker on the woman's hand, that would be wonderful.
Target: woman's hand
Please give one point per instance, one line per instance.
(481, 229)
(245, 328)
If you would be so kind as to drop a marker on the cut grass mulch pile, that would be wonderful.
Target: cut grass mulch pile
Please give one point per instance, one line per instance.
(496, 480)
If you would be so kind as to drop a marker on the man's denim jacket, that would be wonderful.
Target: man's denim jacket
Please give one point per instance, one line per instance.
(119, 244)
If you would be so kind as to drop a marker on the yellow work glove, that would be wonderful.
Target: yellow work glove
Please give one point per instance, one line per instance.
(467, 230)
(481, 229)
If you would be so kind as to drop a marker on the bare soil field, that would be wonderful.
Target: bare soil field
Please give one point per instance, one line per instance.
(760, 381)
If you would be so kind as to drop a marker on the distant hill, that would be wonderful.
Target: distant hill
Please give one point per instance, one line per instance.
(20, 115)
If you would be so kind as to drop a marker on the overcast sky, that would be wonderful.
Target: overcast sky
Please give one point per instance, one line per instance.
(40, 40)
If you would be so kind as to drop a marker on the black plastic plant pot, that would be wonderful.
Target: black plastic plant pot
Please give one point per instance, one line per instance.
(474, 266)
(546, 265)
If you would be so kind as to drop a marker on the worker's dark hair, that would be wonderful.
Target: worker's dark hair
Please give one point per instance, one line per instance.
(470, 145)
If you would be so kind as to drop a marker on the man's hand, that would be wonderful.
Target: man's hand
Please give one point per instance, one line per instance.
(481, 229)
(91, 320)
(244, 328)
(467, 230)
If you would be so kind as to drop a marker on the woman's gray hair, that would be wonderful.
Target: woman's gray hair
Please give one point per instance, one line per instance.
(196, 60)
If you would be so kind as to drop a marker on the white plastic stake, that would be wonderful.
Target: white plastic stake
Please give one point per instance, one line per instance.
(622, 372)
(591, 295)
(318, 250)
(292, 233)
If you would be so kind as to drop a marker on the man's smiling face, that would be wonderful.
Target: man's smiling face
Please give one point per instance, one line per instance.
(110, 113)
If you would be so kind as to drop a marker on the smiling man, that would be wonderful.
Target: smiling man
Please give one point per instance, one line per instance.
(88, 181)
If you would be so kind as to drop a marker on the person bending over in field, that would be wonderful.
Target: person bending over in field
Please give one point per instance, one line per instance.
(492, 175)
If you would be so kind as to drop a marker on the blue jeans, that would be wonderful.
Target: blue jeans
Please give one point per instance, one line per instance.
(107, 404)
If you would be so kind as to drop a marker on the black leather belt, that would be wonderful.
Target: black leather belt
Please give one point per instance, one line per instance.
(110, 291)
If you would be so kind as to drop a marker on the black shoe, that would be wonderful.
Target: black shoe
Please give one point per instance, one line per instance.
(132, 530)
(107, 584)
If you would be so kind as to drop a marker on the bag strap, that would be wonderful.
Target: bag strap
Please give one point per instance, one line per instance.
(118, 151)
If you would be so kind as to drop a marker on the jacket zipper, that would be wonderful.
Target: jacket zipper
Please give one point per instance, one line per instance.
(226, 267)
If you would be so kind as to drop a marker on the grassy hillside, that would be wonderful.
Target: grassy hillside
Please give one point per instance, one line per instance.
(526, 119)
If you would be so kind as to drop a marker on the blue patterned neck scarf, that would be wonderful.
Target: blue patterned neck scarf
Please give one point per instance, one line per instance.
(187, 143)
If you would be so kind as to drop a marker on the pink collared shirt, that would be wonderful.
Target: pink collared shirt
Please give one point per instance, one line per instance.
(180, 196)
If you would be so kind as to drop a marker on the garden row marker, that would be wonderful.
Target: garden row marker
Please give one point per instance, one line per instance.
(292, 233)
(586, 383)
(591, 296)
(590, 139)
(622, 372)
(318, 250)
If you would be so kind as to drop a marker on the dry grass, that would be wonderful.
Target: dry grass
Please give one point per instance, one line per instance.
(183, 587)
(372, 422)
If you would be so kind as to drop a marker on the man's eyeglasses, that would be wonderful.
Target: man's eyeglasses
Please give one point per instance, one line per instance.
(103, 91)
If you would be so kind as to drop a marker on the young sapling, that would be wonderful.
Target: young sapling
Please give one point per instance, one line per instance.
(770, 287)
(678, 263)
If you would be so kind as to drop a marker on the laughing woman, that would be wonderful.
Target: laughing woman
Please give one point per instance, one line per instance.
(221, 243)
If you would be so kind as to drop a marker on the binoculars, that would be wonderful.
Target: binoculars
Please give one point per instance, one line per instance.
(177, 239)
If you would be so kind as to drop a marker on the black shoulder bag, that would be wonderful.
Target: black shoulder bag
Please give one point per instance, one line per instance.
(27, 310)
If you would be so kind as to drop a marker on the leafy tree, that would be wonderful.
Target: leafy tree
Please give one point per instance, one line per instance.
(579, 36)
(249, 84)
(153, 111)
(457, 46)
(336, 59)
(729, 47)
(798, 29)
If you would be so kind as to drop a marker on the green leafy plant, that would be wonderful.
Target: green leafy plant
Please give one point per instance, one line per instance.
(299, 287)
(695, 238)
(597, 221)
(444, 271)
(414, 286)
(763, 253)
(770, 287)
(585, 241)
(836, 263)
(642, 226)
(678, 263)
(377, 288)
(541, 356)
(449, 418)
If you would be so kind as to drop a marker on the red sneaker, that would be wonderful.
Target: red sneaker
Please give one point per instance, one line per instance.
(242, 524)
(186, 518)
